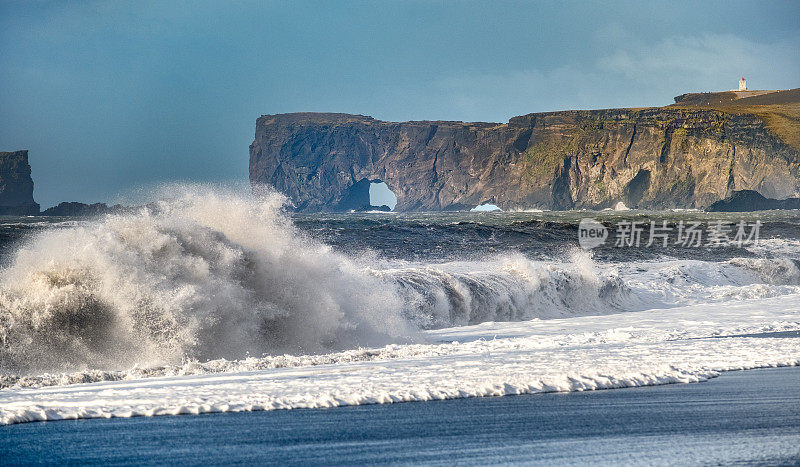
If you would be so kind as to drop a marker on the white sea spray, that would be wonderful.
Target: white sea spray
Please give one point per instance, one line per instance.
(205, 275)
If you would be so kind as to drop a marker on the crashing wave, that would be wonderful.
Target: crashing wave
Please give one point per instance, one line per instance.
(508, 288)
(209, 275)
(205, 275)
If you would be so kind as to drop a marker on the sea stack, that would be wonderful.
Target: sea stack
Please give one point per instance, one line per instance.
(16, 185)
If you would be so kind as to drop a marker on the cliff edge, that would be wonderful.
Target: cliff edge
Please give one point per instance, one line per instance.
(679, 156)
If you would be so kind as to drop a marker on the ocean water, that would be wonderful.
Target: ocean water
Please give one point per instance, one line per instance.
(741, 418)
(548, 235)
(215, 301)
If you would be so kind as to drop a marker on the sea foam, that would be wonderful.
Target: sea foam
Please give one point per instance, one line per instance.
(679, 345)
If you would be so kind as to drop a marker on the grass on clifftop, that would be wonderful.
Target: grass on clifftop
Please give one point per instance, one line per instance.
(779, 110)
(783, 120)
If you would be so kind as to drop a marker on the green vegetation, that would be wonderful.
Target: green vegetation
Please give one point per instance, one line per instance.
(679, 139)
(781, 119)
(599, 187)
(545, 156)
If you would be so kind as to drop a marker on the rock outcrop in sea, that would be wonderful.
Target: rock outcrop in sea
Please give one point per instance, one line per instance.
(679, 156)
(16, 185)
(749, 200)
(73, 208)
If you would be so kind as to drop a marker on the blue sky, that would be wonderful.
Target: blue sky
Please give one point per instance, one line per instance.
(114, 97)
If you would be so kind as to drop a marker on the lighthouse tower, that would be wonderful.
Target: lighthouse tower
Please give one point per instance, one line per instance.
(742, 84)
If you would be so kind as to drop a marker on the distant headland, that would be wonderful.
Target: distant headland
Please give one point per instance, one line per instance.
(691, 154)
(700, 152)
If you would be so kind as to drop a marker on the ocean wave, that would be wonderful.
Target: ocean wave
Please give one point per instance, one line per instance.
(205, 275)
(679, 345)
(507, 288)
(211, 275)
(777, 247)
(511, 287)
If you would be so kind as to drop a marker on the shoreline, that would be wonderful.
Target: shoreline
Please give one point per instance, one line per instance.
(740, 415)
(576, 354)
(706, 376)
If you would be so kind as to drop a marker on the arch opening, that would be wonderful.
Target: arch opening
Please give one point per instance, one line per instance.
(380, 195)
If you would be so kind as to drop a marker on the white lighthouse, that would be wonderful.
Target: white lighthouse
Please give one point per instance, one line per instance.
(742, 84)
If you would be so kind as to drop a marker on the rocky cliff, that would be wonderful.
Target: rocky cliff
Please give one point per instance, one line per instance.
(676, 156)
(16, 185)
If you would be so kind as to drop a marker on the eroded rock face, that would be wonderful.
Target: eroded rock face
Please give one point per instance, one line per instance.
(16, 185)
(647, 158)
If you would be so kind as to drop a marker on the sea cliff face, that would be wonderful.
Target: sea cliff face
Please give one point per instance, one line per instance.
(667, 157)
(16, 185)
